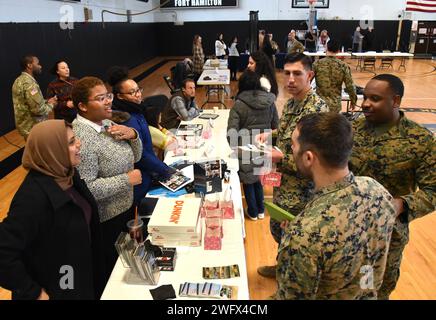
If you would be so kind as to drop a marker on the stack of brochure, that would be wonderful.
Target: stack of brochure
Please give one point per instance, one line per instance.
(208, 290)
(141, 261)
(189, 136)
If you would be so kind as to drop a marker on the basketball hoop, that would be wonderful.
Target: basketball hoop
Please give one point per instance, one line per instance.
(311, 3)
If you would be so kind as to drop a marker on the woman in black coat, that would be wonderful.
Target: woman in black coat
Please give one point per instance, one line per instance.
(50, 240)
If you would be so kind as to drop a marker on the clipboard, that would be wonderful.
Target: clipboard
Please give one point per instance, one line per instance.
(278, 213)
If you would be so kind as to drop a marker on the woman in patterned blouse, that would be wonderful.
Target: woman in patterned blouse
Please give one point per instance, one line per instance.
(197, 56)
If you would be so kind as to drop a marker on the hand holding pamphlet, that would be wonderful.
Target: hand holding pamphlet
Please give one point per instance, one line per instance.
(278, 213)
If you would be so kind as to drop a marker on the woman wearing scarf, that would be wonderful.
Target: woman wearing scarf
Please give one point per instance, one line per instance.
(130, 111)
(50, 240)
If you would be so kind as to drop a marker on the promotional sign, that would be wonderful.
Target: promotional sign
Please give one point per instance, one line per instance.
(201, 4)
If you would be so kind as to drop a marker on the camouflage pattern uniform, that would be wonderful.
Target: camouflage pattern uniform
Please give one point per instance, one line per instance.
(295, 191)
(402, 158)
(295, 47)
(338, 246)
(330, 73)
(29, 104)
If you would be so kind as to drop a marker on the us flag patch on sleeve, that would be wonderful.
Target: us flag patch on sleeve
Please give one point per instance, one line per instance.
(34, 91)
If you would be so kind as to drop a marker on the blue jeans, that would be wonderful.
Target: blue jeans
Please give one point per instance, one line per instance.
(254, 197)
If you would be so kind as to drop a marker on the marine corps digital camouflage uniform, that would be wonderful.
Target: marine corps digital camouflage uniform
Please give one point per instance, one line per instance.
(295, 191)
(29, 104)
(402, 159)
(330, 73)
(338, 246)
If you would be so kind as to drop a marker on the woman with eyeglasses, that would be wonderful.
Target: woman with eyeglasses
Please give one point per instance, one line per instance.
(62, 87)
(130, 111)
(109, 152)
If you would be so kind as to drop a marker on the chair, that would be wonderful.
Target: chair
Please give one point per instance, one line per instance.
(386, 62)
(369, 63)
(170, 84)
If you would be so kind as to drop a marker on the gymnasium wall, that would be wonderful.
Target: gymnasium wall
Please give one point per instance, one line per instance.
(177, 40)
(88, 48)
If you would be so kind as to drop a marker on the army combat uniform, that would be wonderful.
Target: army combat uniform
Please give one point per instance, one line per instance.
(338, 246)
(294, 47)
(29, 104)
(330, 73)
(295, 191)
(402, 158)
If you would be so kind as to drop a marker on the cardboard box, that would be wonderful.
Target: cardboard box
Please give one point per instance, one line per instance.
(177, 215)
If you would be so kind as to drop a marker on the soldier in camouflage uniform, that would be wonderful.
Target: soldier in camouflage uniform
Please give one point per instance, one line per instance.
(337, 247)
(293, 45)
(400, 154)
(330, 73)
(29, 104)
(295, 191)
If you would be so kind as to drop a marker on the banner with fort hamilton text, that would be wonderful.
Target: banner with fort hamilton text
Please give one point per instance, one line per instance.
(199, 4)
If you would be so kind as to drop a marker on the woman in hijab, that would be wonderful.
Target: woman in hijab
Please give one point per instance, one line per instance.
(50, 240)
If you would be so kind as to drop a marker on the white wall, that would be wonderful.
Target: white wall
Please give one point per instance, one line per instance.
(49, 10)
(282, 10)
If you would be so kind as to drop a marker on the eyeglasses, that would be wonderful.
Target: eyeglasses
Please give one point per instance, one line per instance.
(133, 92)
(103, 97)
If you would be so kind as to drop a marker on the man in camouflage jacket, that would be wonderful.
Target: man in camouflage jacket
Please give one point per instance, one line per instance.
(337, 247)
(400, 154)
(330, 73)
(295, 191)
(29, 104)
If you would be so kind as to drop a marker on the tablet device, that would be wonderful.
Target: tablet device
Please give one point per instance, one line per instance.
(208, 116)
(278, 213)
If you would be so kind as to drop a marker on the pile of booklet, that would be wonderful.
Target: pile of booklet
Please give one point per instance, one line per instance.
(176, 222)
(167, 261)
(141, 261)
(208, 290)
(222, 272)
(189, 136)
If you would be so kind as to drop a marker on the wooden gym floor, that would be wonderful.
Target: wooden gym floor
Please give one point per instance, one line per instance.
(418, 271)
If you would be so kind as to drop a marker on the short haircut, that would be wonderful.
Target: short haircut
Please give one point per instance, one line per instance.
(25, 60)
(249, 80)
(299, 57)
(186, 81)
(333, 45)
(329, 135)
(394, 82)
(82, 89)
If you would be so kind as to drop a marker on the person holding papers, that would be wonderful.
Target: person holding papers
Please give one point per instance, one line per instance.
(254, 112)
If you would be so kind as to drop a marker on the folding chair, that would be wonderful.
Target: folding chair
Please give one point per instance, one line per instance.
(369, 63)
(170, 85)
(386, 62)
